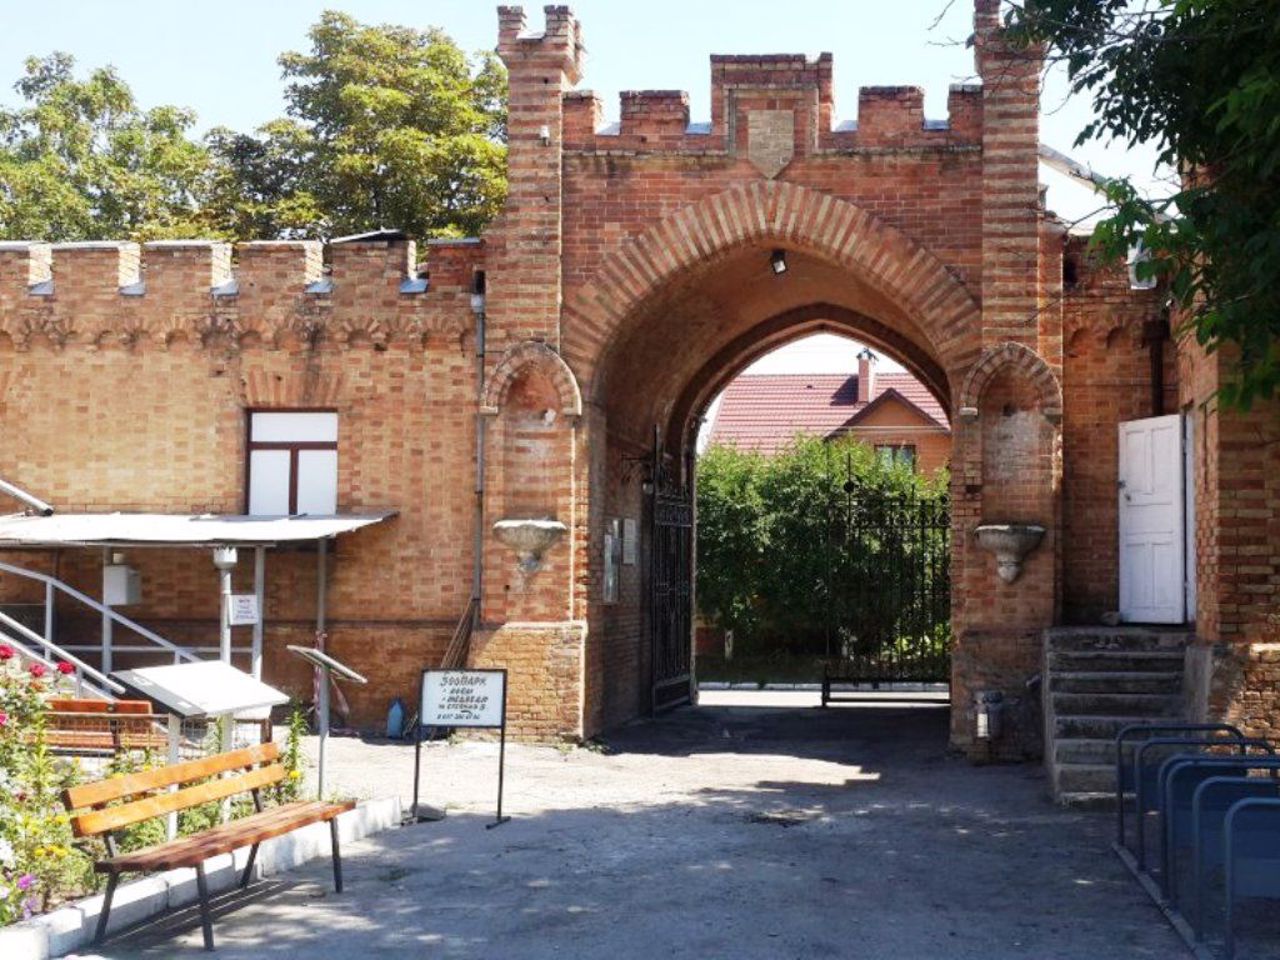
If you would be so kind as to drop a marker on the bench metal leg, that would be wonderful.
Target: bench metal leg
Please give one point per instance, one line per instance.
(337, 855)
(248, 867)
(206, 923)
(100, 934)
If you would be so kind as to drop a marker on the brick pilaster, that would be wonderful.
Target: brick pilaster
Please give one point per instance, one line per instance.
(1010, 181)
(524, 294)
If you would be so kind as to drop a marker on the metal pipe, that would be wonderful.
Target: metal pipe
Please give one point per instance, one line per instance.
(482, 424)
(30, 500)
(1154, 334)
(106, 615)
(48, 612)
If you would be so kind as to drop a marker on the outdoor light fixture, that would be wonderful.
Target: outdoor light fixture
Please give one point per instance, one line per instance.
(778, 262)
(224, 558)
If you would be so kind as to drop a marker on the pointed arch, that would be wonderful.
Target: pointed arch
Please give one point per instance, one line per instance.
(798, 217)
(535, 354)
(1022, 360)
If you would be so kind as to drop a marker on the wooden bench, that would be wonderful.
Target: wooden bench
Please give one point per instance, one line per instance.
(101, 726)
(107, 806)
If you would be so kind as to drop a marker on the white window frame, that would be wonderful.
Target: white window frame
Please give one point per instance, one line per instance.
(295, 449)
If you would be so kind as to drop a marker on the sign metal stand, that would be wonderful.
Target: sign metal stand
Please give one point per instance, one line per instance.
(461, 698)
(334, 669)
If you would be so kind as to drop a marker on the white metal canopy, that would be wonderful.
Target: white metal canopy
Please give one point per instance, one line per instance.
(160, 529)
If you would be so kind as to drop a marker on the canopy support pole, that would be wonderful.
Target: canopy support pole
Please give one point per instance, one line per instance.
(322, 676)
(259, 592)
(106, 614)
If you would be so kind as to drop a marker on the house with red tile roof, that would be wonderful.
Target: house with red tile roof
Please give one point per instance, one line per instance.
(893, 412)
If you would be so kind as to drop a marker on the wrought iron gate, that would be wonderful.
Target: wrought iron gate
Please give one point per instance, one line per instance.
(888, 589)
(670, 611)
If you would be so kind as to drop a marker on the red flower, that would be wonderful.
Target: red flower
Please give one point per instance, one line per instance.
(6, 652)
(38, 670)
(4, 718)
(66, 669)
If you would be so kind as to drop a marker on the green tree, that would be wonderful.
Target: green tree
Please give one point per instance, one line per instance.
(772, 531)
(388, 126)
(1201, 79)
(79, 160)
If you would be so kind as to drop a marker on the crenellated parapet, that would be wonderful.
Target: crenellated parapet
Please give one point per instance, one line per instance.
(275, 294)
(774, 108)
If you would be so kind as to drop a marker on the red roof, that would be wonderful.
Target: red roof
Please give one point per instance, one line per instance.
(765, 411)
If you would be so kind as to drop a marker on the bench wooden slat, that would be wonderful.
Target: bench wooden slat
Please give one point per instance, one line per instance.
(113, 818)
(104, 791)
(188, 851)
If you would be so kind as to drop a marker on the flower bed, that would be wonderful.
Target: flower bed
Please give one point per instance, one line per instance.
(41, 864)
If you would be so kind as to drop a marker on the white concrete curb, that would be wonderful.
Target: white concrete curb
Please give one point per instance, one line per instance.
(72, 927)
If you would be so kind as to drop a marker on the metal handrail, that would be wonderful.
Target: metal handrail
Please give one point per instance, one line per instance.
(455, 655)
(54, 650)
(82, 685)
(178, 652)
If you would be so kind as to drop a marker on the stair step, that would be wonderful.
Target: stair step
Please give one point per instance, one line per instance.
(1115, 661)
(1088, 800)
(1095, 727)
(1116, 639)
(1137, 705)
(1118, 681)
(1084, 750)
(1084, 777)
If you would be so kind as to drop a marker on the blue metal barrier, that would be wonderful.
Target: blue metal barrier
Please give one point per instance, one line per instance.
(1147, 780)
(1210, 805)
(1252, 870)
(1180, 777)
(1124, 770)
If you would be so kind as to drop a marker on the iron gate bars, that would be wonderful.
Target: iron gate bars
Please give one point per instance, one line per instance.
(888, 589)
(670, 611)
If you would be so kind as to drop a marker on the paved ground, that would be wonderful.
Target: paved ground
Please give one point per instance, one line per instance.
(731, 830)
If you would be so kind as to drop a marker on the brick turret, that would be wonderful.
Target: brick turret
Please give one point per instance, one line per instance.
(524, 299)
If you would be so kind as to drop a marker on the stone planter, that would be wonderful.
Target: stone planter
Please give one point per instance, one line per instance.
(529, 538)
(1010, 542)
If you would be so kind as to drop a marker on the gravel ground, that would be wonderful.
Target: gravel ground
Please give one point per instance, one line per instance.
(750, 827)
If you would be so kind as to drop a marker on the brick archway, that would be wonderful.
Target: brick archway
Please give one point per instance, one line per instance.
(778, 330)
(768, 212)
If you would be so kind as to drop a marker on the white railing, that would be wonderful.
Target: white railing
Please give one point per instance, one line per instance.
(53, 586)
(50, 654)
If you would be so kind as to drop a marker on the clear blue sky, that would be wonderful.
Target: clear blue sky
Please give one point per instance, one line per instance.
(219, 58)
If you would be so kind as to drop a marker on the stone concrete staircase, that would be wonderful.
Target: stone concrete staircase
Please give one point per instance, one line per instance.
(1097, 680)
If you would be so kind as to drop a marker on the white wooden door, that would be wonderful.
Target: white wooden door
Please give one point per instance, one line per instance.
(1152, 541)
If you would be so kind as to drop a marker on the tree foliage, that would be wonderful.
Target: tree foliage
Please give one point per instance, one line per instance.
(1201, 79)
(80, 160)
(386, 126)
(764, 527)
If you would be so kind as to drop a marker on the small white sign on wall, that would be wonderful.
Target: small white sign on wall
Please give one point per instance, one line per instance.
(630, 547)
(612, 552)
(244, 610)
(464, 698)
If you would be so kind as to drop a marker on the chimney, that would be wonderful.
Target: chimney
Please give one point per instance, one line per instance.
(866, 375)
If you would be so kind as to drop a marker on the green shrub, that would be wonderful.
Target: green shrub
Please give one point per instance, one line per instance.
(787, 543)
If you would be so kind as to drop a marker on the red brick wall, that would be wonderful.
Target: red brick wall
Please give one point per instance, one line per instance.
(138, 403)
(1106, 380)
